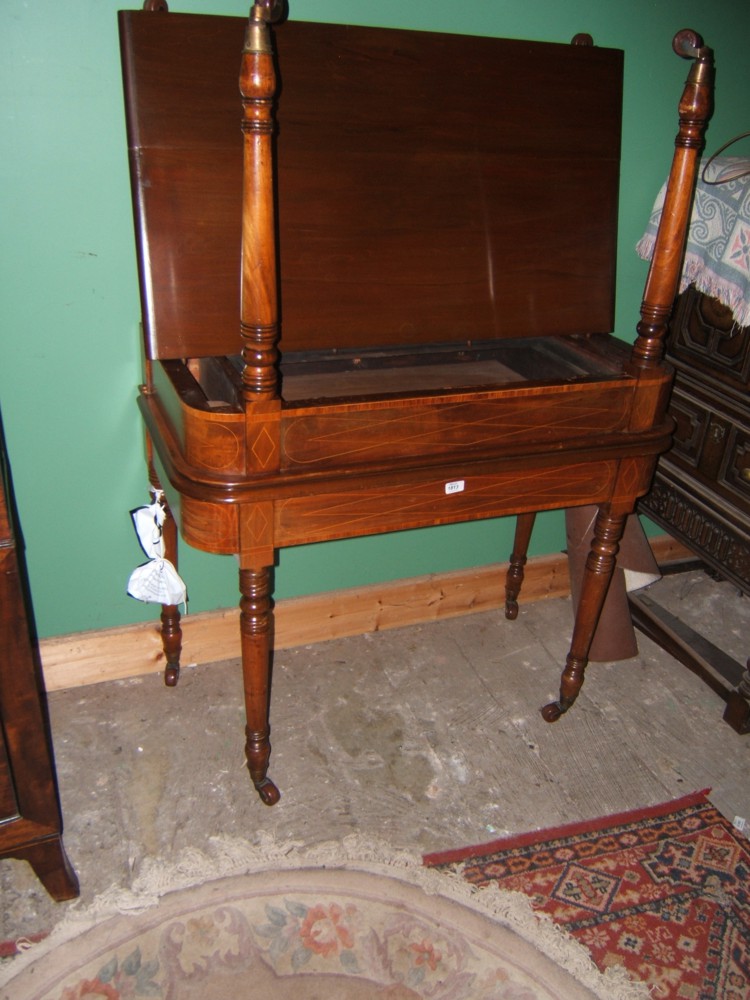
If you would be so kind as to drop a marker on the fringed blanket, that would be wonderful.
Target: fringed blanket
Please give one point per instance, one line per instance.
(717, 256)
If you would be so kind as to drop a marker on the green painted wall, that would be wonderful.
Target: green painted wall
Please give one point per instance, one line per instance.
(70, 361)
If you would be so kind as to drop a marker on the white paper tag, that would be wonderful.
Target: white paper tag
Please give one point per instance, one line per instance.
(457, 486)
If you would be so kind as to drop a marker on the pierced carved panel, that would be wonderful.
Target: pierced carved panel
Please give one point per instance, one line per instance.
(726, 550)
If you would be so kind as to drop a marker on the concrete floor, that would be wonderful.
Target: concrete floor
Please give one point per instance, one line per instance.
(426, 737)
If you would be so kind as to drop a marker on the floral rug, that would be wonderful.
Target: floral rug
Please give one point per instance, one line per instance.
(664, 893)
(304, 927)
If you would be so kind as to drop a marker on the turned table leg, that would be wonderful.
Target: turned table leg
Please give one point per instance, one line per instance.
(171, 639)
(171, 630)
(514, 576)
(256, 629)
(600, 564)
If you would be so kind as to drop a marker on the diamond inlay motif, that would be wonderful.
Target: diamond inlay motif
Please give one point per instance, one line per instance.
(263, 448)
(258, 522)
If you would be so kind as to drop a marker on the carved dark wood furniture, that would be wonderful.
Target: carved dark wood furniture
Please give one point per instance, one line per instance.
(701, 490)
(30, 821)
(397, 313)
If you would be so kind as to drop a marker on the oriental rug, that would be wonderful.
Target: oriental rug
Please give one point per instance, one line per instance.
(663, 893)
(304, 925)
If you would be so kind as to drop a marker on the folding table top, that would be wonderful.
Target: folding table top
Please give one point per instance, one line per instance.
(432, 188)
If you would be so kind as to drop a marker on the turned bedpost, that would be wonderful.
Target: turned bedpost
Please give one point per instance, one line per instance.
(663, 278)
(259, 290)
